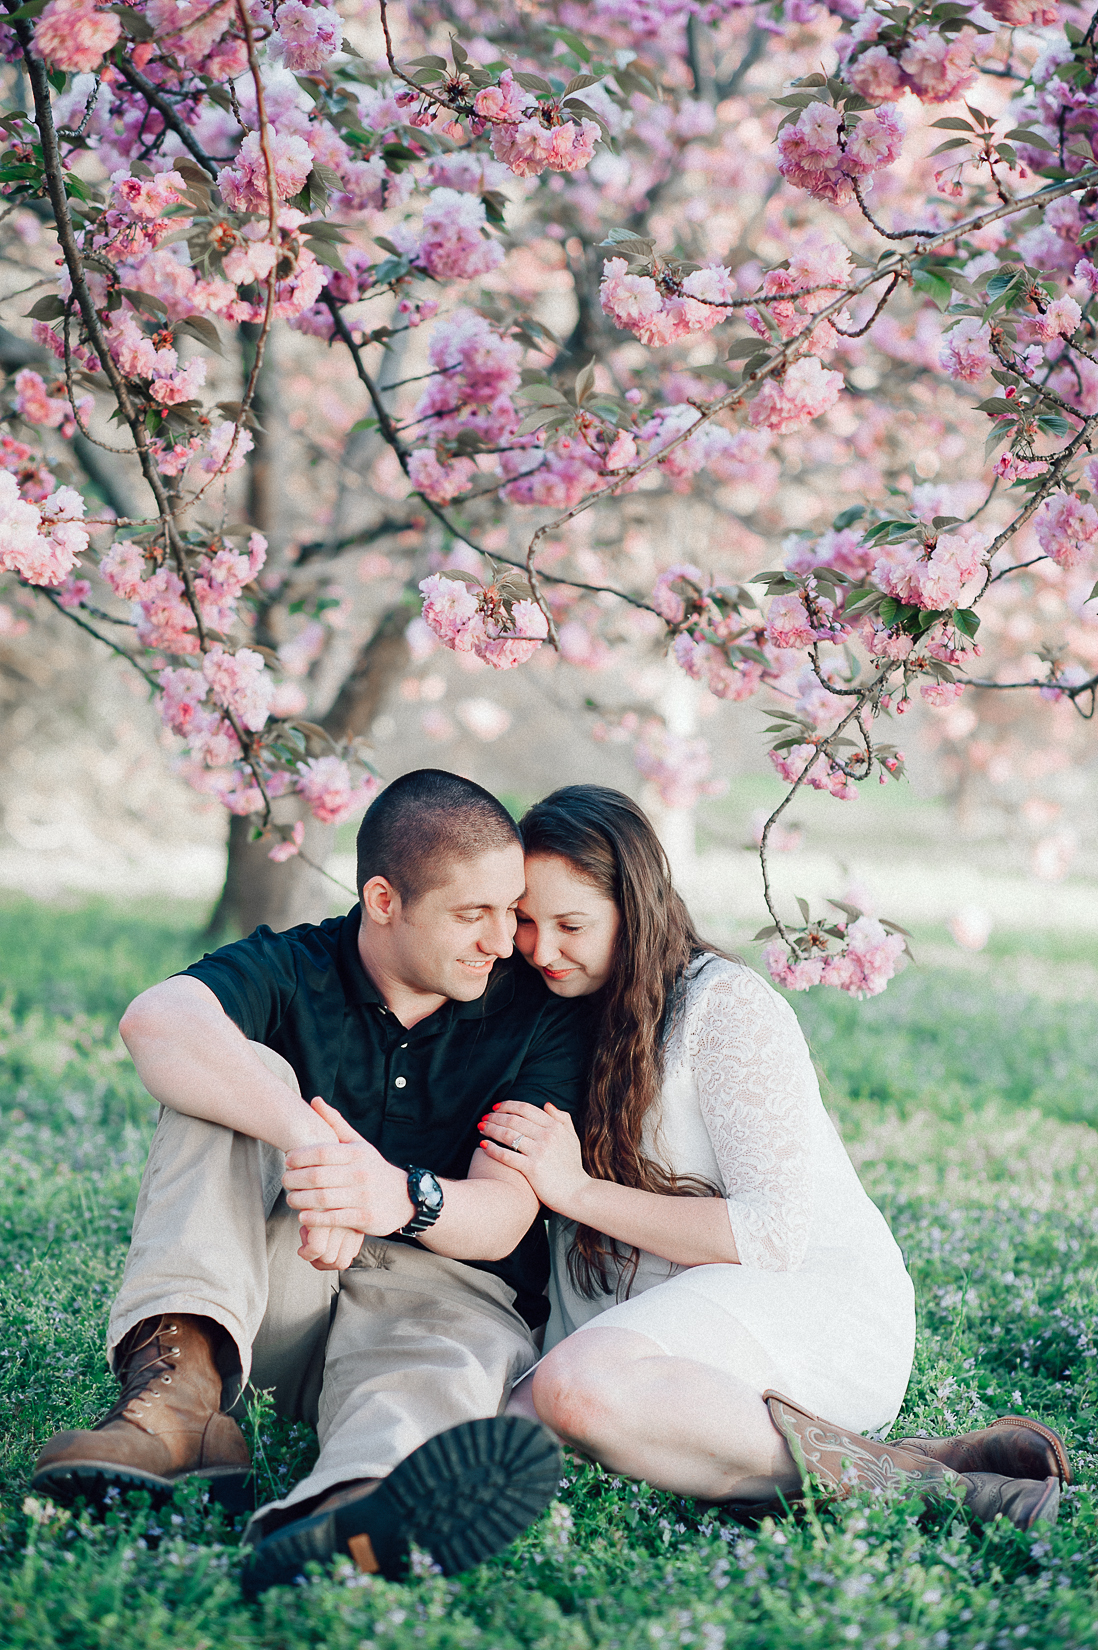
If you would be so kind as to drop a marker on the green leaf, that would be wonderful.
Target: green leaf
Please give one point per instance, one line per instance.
(198, 326)
(585, 382)
(967, 620)
(580, 82)
(534, 83)
(33, 8)
(950, 143)
(889, 609)
(953, 123)
(765, 933)
(847, 518)
(1088, 233)
(803, 903)
(146, 304)
(49, 308)
(1021, 134)
(742, 347)
(934, 286)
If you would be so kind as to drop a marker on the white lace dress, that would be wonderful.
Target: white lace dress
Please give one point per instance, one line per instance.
(821, 1289)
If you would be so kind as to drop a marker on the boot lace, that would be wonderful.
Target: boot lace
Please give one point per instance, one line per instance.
(138, 1378)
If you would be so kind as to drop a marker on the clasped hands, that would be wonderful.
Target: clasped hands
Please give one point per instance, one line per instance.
(548, 1151)
(344, 1191)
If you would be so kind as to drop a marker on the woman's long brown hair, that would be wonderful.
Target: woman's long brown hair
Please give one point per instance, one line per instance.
(610, 842)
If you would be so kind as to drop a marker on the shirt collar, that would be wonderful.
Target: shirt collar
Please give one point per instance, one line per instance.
(359, 988)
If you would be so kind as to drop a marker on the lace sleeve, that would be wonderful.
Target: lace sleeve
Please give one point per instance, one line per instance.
(757, 1089)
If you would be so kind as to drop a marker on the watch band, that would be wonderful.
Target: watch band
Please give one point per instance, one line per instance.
(425, 1215)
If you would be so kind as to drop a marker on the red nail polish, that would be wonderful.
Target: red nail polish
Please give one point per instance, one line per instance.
(497, 1105)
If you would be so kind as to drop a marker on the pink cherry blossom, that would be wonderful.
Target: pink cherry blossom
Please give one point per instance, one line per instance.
(936, 69)
(453, 612)
(666, 600)
(876, 75)
(164, 617)
(451, 246)
(123, 567)
(806, 390)
(192, 34)
(148, 198)
(241, 683)
(75, 35)
(622, 451)
(934, 577)
(529, 146)
(308, 35)
(184, 692)
(227, 448)
(795, 974)
(1062, 317)
(476, 622)
(289, 846)
(73, 593)
(437, 481)
(706, 663)
(942, 694)
(328, 788)
(40, 542)
(243, 185)
(814, 155)
(37, 406)
(788, 623)
(1067, 530)
(506, 102)
(657, 316)
(966, 351)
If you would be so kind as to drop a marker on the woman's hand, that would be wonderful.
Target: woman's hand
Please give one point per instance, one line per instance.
(548, 1150)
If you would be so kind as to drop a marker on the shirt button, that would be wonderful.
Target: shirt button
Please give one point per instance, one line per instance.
(400, 1082)
(404, 1045)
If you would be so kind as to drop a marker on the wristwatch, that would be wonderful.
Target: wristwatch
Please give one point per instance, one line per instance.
(426, 1193)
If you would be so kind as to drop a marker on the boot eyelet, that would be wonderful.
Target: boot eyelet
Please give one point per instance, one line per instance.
(167, 1380)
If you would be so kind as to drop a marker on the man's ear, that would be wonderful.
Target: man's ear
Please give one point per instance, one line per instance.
(380, 902)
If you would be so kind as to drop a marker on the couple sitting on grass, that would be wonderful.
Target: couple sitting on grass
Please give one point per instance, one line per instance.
(361, 1124)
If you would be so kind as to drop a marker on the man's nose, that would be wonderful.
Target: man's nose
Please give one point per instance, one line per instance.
(497, 936)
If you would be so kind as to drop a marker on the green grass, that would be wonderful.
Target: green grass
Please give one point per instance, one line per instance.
(968, 1109)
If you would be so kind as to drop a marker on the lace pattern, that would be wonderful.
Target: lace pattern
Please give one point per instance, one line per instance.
(757, 1091)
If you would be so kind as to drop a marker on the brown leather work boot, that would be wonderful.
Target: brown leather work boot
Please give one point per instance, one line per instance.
(166, 1425)
(1015, 1446)
(844, 1459)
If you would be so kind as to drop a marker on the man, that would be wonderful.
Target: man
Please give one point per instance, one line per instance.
(406, 1021)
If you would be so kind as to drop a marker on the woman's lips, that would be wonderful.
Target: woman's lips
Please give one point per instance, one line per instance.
(557, 973)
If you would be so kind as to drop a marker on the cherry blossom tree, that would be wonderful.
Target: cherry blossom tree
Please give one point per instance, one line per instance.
(784, 259)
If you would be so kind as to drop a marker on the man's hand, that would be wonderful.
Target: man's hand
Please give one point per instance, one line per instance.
(342, 1193)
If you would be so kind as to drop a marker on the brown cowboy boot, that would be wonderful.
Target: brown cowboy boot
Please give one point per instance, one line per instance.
(1015, 1446)
(844, 1459)
(166, 1425)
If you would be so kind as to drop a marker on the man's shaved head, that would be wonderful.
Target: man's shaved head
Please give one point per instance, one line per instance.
(422, 823)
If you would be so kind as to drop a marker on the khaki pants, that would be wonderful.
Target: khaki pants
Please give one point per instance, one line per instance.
(380, 1358)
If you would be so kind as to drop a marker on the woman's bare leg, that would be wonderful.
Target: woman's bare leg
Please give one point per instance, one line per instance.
(683, 1426)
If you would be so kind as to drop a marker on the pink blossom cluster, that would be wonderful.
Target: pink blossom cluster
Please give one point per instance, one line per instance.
(221, 580)
(453, 243)
(528, 140)
(34, 403)
(243, 185)
(198, 40)
(40, 542)
(307, 35)
(729, 455)
(935, 68)
(805, 390)
(818, 263)
(736, 680)
(863, 967)
(75, 35)
(1067, 530)
(790, 625)
(326, 784)
(476, 372)
(556, 478)
(240, 684)
(477, 622)
(45, 335)
(819, 771)
(840, 548)
(678, 768)
(140, 357)
(966, 351)
(821, 153)
(662, 311)
(935, 575)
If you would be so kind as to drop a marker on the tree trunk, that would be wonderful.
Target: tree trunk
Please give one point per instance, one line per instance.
(256, 890)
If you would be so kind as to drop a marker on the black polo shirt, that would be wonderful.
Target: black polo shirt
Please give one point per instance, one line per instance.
(417, 1094)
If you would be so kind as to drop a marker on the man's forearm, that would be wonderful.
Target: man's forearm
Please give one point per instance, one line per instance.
(191, 1057)
(482, 1219)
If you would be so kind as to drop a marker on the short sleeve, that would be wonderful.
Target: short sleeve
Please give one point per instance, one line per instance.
(757, 1091)
(556, 1066)
(254, 980)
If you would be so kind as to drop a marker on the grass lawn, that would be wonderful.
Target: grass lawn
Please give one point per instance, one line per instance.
(970, 1105)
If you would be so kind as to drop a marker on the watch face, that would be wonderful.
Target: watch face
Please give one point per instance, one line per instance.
(427, 1191)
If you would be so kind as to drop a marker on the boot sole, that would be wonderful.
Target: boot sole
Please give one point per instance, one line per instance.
(462, 1496)
(70, 1481)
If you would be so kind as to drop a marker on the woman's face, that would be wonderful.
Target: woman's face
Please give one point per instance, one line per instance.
(567, 930)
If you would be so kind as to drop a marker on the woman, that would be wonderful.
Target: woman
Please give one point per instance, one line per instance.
(711, 1239)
